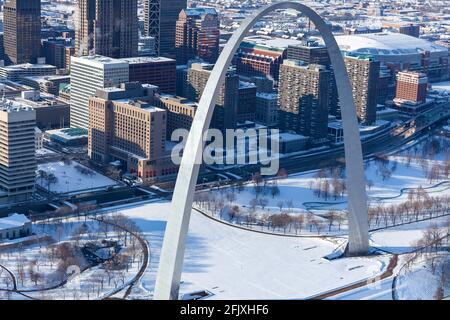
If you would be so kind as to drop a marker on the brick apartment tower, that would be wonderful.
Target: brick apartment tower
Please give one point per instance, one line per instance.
(412, 86)
(22, 31)
(107, 27)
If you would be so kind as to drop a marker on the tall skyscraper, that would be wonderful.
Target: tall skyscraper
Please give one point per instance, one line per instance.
(107, 27)
(87, 74)
(22, 31)
(364, 74)
(303, 99)
(17, 152)
(197, 35)
(160, 22)
(225, 113)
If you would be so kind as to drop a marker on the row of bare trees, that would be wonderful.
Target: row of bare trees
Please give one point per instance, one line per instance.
(419, 206)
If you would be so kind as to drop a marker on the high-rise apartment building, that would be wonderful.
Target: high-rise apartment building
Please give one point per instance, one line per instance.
(225, 112)
(107, 27)
(22, 30)
(17, 152)
(87, 75)
(125, 125)
(364, 74)
(303, 99)
(160, 18)
(197, 35)
(412, 86)
(158, 71)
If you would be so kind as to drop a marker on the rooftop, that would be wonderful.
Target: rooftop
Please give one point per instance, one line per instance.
(7, 105)
(199, 11)
(386, 44)
(98, 60)
(13, 221)
(25, 66)
(137, 60)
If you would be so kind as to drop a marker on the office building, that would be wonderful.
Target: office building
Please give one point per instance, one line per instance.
(47, 84)
(246, 110)
(180, 112)
(267, 109)
(141, 150)
(160, 23)
(55, 52)
(107, 27)
(51, 113)
(88, 74)
(309, 53)
(303, 99)
(19, 71)
(22, 31)
(158, 71)
(17, 152)
(197, 35)
(225, 112)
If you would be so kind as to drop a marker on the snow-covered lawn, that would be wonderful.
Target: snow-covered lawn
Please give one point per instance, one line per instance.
(421, 283)
(45, 262)
(70, 178)
(401, 239)
(238, 264)
(389, 182)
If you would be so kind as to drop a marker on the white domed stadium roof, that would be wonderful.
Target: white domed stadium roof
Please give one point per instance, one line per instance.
(386, 44)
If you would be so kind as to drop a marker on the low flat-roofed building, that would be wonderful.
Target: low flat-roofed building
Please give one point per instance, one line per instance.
(19, 71)
(69, 137)
(14, 226)
(51, 113)
(291, 142)
(47, 84)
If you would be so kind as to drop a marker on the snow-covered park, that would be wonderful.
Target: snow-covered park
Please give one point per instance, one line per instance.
(70, 177)
(75, 258)
(417, 174)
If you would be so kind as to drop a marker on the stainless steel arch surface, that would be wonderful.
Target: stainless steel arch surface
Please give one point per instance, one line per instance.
(172, 254)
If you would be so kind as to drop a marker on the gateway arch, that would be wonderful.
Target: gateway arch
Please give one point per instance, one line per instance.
(172, 254)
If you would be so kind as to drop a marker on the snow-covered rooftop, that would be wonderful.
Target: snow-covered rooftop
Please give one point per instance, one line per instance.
(13, 221)
(386, 44)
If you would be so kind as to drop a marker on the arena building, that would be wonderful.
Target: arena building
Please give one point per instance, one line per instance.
(399, 52)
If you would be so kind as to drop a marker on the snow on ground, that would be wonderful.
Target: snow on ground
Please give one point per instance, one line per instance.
(299, 188)
(420, 283)
(70, 178)
(441, 86)
(238, 264)
(93, 283)
(400, 239)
